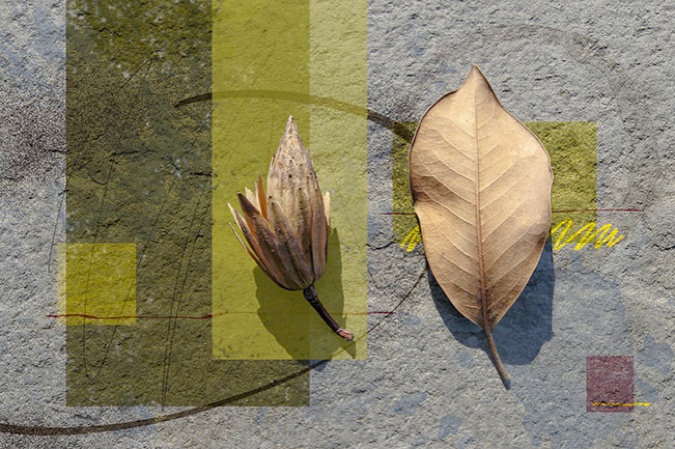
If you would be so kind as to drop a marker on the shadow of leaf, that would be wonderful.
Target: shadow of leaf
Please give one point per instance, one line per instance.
(525, 327)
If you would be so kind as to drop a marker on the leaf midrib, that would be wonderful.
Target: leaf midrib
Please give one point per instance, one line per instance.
(479, 228)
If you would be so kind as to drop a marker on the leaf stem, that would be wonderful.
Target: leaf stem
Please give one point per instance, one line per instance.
(495, 356)
(312, 298)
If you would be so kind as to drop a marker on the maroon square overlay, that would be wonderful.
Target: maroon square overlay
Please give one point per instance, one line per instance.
(610, 384)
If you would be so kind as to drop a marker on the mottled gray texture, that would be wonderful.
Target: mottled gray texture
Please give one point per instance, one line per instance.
(428, 381)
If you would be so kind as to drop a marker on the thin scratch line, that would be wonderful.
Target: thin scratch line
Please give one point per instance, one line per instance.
(56, 225)
(179, 288)
(177, 294)
(113, 162)
(104, 198)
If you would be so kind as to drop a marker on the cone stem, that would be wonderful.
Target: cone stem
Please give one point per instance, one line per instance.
(312, 298)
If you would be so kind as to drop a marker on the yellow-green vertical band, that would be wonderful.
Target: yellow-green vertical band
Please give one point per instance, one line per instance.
(258, 45)
(269, 58)
(338, 70)
(139, 212)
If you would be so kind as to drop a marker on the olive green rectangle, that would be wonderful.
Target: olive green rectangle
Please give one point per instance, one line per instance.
(139, 173)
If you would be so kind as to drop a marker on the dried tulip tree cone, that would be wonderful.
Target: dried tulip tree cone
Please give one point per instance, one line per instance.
(287, 229)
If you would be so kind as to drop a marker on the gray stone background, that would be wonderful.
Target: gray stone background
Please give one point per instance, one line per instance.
(427, 382)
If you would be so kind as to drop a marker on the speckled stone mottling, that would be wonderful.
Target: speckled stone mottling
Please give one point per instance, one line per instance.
(428, 381)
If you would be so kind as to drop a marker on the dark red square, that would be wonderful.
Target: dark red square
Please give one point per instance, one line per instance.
(609, 384)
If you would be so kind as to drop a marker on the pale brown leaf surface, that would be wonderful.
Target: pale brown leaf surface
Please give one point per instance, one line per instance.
(481, 184)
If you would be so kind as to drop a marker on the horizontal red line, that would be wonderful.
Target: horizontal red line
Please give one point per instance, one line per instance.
(123, 317)
(562, 211)
(166, 317)
(598, 210)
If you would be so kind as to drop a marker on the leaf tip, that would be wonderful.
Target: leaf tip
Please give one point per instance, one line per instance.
(476, 72)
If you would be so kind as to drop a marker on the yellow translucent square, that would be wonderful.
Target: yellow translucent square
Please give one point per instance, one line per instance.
(572, 149)
(97, 283)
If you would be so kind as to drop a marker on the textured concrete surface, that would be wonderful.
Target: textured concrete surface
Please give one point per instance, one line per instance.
(427, 381)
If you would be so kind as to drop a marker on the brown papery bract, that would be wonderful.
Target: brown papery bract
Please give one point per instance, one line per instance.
(287, 228)
(481, 185)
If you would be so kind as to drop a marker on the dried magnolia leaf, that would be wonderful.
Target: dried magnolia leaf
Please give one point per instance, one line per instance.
(481, 185)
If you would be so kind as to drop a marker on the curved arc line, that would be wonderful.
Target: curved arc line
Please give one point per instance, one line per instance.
(372, 116)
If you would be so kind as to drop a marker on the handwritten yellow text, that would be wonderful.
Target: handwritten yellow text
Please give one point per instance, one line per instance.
(412, 239)
(620, 404)
(605, 235)
(588, 234)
